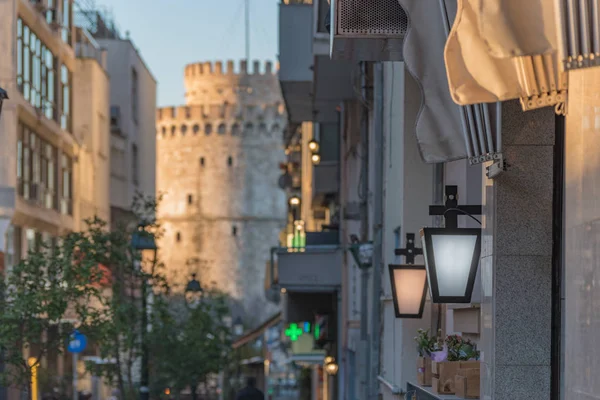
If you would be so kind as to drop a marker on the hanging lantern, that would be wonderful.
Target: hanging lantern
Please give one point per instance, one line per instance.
(409, 289)
(451, 258)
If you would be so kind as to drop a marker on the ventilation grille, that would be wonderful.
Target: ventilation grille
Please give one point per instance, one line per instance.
(371, 17)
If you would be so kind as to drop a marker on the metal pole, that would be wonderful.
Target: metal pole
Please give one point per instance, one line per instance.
(247, 22)
(364, 233)
(144, 382)
(377, 227)
(75, 373)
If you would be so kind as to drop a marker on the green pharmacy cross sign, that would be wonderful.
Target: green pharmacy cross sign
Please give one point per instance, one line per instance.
(293, 332)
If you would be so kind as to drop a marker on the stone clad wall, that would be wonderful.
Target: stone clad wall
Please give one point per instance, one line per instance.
(223, 148)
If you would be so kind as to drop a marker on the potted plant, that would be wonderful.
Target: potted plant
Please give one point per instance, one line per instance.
(458, 356)
(426, 344)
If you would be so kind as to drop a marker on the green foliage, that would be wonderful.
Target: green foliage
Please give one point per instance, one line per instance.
(53, 284)
(91, 278)
(460, 349)
(425, 343)
(188, 345)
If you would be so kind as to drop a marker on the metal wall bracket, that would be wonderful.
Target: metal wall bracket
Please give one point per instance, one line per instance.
(543, 100)
(485, 158)
(496, 168)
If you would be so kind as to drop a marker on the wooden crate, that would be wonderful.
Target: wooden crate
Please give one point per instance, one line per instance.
(467, 383)
(424, 371)
(444, 374)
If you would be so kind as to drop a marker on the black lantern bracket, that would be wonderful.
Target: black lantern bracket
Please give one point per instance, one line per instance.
(410, 251)
(451, 210)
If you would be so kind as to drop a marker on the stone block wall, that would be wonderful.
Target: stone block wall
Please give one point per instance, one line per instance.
(217, 167)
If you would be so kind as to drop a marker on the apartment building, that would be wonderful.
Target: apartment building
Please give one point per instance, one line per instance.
(132, 147)
(40, 150)
(432, 128)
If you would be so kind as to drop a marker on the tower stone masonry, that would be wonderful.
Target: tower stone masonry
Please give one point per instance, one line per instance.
(217, 168)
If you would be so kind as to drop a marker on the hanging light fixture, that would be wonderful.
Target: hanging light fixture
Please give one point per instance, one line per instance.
(313, 146)
(451, 259)
(331, 367)
(315, 158)
(362, 253)
(193, 292)
(409, 289)
(294, 201)
(3, 96)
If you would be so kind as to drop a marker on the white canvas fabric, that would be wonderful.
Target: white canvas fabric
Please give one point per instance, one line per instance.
(438, 127)
(512, 28)
(475, 76)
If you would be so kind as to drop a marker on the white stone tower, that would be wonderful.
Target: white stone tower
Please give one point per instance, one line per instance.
(217, 167)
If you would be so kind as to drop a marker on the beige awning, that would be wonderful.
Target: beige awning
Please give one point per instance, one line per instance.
(502, 50)
(444, 130)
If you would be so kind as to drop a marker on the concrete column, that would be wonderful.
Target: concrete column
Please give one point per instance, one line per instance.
(516, 263)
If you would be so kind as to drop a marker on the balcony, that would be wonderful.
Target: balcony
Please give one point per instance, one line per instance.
(296, 59)
(315, 267)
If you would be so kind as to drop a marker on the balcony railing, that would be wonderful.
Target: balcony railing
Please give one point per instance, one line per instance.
(416, 392)
(314, 266)
(87, 47)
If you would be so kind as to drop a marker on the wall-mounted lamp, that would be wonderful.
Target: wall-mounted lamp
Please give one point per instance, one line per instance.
(3, 96)
(331, 367)
(362, 253)
(313, 146)
(409, 282)
(294, 201)
(452, 253)
(315, 158)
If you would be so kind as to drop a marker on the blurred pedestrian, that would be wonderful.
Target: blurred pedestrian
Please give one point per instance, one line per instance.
(250, 392)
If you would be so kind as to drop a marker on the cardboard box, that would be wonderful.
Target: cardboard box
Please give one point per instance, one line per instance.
(424, 371)
(467, 383)
(444, 374)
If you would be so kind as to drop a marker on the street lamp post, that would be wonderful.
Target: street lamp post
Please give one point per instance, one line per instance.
(143, 242)
(3, 96)
(193, 292)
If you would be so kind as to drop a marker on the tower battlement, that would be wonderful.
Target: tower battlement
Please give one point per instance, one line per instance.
(201, 69)
(208, 83)
(223, 112)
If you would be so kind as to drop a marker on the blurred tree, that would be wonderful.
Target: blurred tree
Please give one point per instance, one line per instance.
(188, 345)
(54, 284)
(88, 281)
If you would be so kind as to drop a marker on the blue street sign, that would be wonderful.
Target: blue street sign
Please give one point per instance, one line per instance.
(77, 342)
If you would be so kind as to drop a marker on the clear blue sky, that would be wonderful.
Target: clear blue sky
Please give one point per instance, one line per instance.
(172, 33)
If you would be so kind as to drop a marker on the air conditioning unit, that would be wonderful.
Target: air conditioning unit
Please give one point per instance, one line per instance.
(367, 30)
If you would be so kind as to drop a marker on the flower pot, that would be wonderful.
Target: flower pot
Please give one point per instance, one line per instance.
(424, 371)
(466, 383)
(444, 374)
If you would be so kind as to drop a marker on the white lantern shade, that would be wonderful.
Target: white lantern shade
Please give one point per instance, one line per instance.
(451, 258)
(409, 289)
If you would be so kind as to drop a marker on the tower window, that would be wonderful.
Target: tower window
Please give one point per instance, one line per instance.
(202, 161)
(234, 230)
(178, 236)
(190, 199)
(208, 129)
(230, 161)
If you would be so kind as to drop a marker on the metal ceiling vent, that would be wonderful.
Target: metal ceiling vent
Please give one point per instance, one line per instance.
(371, 18)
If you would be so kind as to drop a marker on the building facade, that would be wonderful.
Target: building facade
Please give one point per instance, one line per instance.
(39, 155)
(218, 167)
(133, 139)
